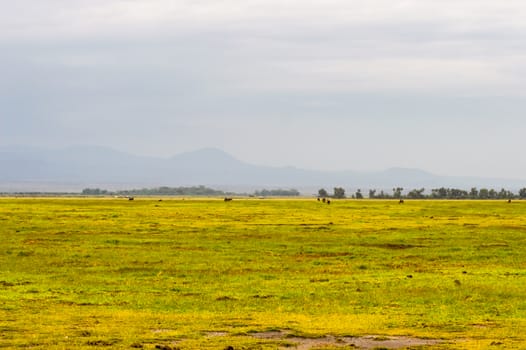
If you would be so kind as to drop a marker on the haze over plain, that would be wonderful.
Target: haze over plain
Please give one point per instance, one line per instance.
(330, 85)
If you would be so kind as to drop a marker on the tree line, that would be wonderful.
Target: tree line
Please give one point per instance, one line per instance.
(436, 193)
(278, 193)
(159, 191)
(338, 192)
(186, 191)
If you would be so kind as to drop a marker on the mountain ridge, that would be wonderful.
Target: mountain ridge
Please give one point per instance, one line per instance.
(89, 165)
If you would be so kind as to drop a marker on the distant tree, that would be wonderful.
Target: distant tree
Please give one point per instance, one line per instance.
(505, 194)
(382, 195)
(416, 194)
(397, 192)
(439, 193)
(455, 193)
(372, 193)
(522, 193)
(483, 193)
(358, 194)
(339, 192)
(323, 193)
(492, 194)
(94, 191)
(473, 193)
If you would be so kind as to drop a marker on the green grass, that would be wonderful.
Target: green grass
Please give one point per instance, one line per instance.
(87, 273)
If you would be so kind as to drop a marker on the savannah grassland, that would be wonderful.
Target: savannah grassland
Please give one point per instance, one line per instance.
(203, 273)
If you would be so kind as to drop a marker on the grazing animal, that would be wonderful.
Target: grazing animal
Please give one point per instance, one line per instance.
(401, 201)
(323, 200)
(318, 199)
(509, 200)
(328, 201)
(130, 198)
(227, 199)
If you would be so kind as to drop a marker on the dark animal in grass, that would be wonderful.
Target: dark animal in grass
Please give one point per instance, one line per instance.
(318, 199)
(328, 201)
(323, 200)
(401, 201)
(509, 200)
(227, 199)
(130, 198)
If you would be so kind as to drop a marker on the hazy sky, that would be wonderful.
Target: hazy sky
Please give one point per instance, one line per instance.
(332, 84)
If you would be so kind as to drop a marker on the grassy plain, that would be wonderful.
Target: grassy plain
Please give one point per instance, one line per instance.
(203, 273)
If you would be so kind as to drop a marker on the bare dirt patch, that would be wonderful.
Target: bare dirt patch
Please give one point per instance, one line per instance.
(216, 334)
(365, 342)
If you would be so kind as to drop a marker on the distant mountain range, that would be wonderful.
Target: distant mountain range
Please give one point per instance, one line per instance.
(74, 168)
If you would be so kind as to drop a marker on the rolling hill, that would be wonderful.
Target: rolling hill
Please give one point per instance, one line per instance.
(29, 169)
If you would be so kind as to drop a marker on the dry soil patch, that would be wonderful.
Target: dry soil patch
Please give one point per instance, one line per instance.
(365, 342)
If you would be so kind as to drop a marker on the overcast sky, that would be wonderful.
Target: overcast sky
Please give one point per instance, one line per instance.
(332, 84)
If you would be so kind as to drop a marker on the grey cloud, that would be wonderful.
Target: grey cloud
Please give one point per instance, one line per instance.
(160, 77)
